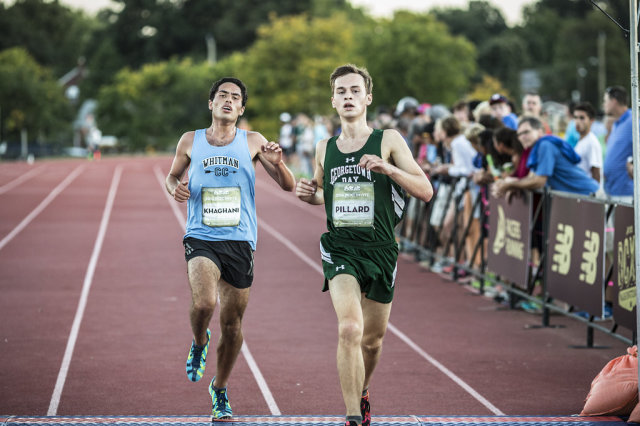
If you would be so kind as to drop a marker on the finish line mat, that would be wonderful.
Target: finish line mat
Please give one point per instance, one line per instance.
(312, 421)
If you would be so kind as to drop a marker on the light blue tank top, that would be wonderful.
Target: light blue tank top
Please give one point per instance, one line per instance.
(222, 185)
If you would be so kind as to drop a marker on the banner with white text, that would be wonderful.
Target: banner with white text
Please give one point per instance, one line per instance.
(575, 266)
(510, 238)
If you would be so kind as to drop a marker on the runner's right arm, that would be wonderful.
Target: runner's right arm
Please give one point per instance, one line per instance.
(177, 187)
(311, 191)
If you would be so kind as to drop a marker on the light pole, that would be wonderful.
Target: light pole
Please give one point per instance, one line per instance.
(602, 62)
(211, 48)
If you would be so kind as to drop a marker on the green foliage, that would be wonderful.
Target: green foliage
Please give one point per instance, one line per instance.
(414, 55)
(285, 50)
(479, 23)
(502, 57)
(540, 30)
(578, 49)
(288, 67)
(30, 98)
(149, 108)
(487, 87)
(144, 31)
(53, 34)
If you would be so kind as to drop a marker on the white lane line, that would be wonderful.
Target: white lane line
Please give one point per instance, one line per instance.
(172, 203)
(262, 383)
(21, 179)
(35, 212)
(291, 246)
(314, 265)
(446, 371)
(253, 366)
(86, 286)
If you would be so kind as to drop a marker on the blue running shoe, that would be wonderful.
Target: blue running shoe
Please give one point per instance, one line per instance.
(197, 359)
(220, 407)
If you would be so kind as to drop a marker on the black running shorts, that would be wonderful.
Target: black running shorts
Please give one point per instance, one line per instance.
(234, 259)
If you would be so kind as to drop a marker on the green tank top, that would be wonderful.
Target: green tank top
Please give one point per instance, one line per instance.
(362, 206)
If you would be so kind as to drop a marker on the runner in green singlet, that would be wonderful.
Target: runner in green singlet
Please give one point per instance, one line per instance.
(360, 176)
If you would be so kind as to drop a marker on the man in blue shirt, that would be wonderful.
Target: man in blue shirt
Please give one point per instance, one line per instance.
(502, 111)
(617, 182)
(552, 162)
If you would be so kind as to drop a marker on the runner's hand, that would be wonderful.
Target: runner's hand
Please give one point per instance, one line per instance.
(306, 188)
(182, 194)
(375, 164)
(272, 153)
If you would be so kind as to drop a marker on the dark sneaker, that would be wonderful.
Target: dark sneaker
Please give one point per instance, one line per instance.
(197, 359)
(220, 407)
(351, 423)
(365, 410)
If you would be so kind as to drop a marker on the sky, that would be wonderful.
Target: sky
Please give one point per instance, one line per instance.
(511, 9)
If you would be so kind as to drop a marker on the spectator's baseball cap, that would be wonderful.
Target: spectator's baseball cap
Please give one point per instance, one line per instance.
(285, 117)
(406, 103)
(497, 98)
(438, 111)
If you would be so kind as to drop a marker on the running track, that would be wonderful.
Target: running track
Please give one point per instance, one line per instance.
(93, 314)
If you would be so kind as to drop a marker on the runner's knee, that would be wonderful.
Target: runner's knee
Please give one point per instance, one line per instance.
(230, 328)
(350, 331)
(372, 344)
(204, 305)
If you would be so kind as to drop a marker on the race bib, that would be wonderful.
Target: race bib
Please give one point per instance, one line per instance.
(221, 206)
(353, 204)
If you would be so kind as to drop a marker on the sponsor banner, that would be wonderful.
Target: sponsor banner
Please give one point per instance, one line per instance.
(510, 238)
(574, 253)
(624, 268)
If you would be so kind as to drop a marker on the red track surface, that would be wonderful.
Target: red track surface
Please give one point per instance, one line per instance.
(134, 336)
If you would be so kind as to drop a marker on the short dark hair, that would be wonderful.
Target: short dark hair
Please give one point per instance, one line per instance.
(534, 122)
(618, 93)
(451, 126)
(240, 84)
(587, 108)
(460, 105)
(490, 122)
(351, 69)
(508, 137)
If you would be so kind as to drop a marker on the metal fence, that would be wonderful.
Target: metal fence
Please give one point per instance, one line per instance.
(568, 254)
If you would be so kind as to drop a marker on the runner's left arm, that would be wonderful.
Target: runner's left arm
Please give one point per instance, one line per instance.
(401, 167)
(270, 156)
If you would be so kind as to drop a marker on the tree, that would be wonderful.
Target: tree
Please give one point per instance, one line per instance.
(137, 32)
(144, 31)
(479, 23)
(575, 60)
(503, 57)
(414, 55)
(54, 35)
(540, 29)
(30, 98)
(487, 87)
(288, 67)
(149, 108)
